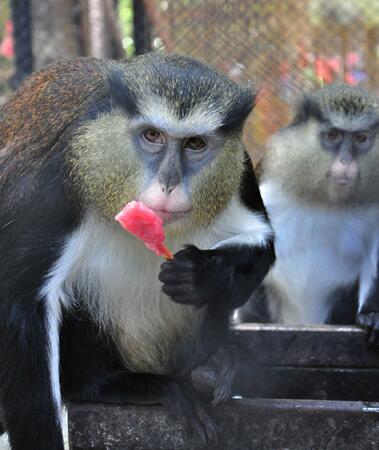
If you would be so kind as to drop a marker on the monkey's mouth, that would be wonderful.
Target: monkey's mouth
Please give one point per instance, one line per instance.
(171, 216)
(342, 181)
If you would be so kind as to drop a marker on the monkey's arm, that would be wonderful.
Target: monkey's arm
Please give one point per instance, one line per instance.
(256, 309)
(226, 275)
(368, 312)
(230, 272)
(33, 222)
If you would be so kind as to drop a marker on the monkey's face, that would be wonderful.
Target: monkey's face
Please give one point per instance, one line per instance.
(189, 177)
(330, 161)
(346, 148)
(330, 152)
(350, 143)
(170, 138)
(186, 173)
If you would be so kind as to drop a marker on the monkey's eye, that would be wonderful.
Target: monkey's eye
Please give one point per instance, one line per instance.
(361, 137)
(153, 136)
(333, 136)
(195, 143)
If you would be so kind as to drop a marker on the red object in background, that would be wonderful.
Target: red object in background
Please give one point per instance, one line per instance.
(6, 45)
(143, 223)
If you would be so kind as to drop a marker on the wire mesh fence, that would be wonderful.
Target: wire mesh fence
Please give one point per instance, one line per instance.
(287, 46)
(6, 50)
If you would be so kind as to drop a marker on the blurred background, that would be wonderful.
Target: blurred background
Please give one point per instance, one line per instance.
(287, 46)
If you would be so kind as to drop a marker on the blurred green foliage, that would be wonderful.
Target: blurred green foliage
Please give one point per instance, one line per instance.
(125, 15)
(4, 15)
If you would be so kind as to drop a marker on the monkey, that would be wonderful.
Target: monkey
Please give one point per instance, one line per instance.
(319, 182)
(87, 313)
(321, 188)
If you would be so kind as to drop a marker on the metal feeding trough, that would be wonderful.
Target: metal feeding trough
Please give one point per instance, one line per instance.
(312, 388)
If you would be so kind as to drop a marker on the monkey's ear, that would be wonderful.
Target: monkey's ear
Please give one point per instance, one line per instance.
(306, 109)
(121, 96)
(240, 108)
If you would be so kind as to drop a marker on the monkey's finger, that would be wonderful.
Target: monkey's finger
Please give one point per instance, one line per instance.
(177, 265)
(175, 289)
(187, 300)
(210, 427)
(176, 277)
(178, 289)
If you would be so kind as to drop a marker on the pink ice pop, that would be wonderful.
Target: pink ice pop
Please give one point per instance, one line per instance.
(143, 223)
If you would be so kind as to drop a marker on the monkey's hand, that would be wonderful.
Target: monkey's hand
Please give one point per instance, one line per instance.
(193, 277)
(369, 321)
(222, 276)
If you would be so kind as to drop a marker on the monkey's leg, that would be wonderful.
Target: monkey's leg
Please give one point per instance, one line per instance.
(30, 243)
(91, 372)
(343, 306)
(177, 395)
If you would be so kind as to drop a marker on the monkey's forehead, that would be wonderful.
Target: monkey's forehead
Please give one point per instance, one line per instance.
(184, 82)
(345, 99)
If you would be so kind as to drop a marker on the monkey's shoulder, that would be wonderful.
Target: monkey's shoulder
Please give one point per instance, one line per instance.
(51, 99)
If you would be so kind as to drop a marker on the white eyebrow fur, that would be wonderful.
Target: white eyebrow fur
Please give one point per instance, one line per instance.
(350, 123)
(157, 112)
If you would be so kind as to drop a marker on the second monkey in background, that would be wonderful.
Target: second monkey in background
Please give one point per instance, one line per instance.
(320, 184)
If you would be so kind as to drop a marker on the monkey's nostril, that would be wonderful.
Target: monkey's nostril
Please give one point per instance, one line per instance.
(167, 189)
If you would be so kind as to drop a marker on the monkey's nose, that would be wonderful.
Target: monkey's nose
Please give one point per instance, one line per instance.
(167, 189)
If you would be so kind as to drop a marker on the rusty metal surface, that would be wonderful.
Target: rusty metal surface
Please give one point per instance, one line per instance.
(244, 425)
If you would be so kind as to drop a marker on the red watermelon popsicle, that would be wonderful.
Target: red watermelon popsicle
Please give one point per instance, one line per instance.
(143, 223)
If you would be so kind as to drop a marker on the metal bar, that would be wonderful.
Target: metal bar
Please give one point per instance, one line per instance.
(21, 18)
(244, 425)
(307, 346)
(141, 28)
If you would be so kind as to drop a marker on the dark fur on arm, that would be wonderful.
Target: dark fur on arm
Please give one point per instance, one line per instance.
(38, 211)
(33, 226)
(228, 274)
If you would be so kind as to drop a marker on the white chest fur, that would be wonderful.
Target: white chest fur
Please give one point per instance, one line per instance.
(318, 250)
(117, 278)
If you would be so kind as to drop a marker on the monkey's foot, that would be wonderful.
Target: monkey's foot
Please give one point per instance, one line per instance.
(370, 323)
(191, 412)
(177, 395)
(223, 372)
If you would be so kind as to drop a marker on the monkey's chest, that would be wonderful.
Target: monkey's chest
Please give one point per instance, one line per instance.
(118, 283)
(318, 252)
(154, 334)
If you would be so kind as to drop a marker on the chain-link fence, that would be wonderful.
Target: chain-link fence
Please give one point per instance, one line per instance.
(288, 46)
(6, 50)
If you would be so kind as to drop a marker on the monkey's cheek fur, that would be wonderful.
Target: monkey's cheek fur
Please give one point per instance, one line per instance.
(191, 277)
